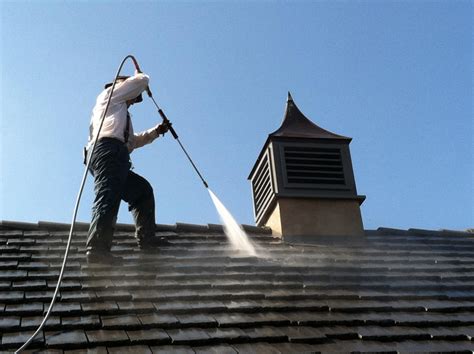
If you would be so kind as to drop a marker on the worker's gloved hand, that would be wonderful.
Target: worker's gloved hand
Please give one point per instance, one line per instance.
(162, 128)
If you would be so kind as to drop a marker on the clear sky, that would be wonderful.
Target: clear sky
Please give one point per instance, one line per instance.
(396, 76)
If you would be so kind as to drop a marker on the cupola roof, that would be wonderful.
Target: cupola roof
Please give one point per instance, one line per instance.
(296, 125)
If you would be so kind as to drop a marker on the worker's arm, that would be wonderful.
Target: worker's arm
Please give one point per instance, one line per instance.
(130, 88)
(146, 137)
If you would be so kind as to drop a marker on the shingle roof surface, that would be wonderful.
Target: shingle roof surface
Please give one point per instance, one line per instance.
(405, 291)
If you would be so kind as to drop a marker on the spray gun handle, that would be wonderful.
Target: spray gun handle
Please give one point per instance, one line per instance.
(168, 123)
(148, 92)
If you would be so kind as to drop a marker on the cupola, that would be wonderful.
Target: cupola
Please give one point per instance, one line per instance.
(303, 182)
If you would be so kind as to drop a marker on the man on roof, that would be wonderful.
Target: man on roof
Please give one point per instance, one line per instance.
(111, 167)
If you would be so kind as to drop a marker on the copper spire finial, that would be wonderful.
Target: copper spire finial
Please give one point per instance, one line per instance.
(289, 97)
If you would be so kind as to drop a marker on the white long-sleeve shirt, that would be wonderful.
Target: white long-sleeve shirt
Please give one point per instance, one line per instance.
(116, 119)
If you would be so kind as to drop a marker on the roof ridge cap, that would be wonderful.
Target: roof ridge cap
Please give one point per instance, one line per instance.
(84, 226)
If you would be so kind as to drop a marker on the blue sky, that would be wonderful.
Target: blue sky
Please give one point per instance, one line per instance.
(396, 76)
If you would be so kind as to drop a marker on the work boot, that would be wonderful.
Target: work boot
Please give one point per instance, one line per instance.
(102, 257)
(153, 242)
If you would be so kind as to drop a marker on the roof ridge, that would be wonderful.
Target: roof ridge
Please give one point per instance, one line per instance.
(418, 231)
(84, 226)
(179, 226)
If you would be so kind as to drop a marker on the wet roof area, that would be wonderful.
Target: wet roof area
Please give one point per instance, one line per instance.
(392, 291)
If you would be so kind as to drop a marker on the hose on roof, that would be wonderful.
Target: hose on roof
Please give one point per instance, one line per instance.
(76, 207)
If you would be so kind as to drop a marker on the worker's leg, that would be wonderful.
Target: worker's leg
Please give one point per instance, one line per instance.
(138, 193)
(110, 165)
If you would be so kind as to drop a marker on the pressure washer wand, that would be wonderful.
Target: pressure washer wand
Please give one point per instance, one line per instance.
(175, 135)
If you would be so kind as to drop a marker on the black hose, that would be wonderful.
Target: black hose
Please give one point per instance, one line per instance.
(76, 207)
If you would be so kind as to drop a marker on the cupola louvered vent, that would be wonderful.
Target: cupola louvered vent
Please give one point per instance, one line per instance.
(313, 167)
(262, 186)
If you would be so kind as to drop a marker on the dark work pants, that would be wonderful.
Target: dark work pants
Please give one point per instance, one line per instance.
(113, 182)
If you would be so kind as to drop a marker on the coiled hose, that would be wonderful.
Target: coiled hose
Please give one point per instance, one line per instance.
(76, 207)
